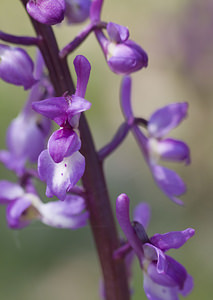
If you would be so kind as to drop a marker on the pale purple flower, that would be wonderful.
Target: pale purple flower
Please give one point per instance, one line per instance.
(164, 278)
(26, 135)
(46, 11)
(60, 177)
(155, 146)
(23, 207)
(77, 11)
(62, 165)
(123, 56)
(16, 66)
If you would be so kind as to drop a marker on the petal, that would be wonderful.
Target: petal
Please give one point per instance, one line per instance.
(46, 11)
(122, 213)
(76, 106)
(160, 278)
(176, 271)
(156, 291)
(153, 253)
(142, 214)
(126, 57)
(60, 177)
(167, 118)
(188, 286)
(169, 182)
(52, 108)
(63, 143)
(126, 98)
(173, 239)
(82, 69)
(117, 33)
(9, 191)
(21, 212)
(12, 163)
(77, 11)
(174, 150)
(16, 66)
(65, 214)
(26, 132)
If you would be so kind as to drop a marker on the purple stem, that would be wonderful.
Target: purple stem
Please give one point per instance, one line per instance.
(116, 141)
(20, 40)
(98, 203)
(80, 38)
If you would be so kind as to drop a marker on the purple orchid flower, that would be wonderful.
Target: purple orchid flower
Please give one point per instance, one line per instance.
(155, 147)
(23, 207)
(16, 66)
(77, 11)
(123, 55)
(164, 278)
(46, 11)
(62, 165)
(28, 130)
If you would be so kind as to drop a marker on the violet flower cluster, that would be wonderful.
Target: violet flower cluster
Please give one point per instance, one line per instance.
(164, 277)
(37, 152)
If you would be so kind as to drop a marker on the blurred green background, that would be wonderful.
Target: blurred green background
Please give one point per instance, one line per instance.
(44, 263)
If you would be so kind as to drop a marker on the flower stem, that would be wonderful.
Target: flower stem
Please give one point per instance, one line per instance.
(101, 216)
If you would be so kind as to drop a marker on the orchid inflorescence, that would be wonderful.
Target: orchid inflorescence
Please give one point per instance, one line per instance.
(67, 161)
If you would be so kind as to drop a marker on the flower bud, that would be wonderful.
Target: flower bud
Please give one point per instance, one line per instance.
(125, 58)
(123, 55)
(46, 11)
(16, 66)
(77, 11)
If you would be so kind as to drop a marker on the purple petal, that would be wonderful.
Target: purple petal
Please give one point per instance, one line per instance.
(161, 278)
(65, 214)
(126, 57)
(16, 66)
(174, 239)
(14, 212)
(77, 105)
(188, 286)
(25, 132)
(46, 11)
(142, 214)
(53, 108)
(60, 177)
(9, 191)
(23, 210)
(126, 98)
(156, 291)
(176, 271)
(12, 163)
(122, 213)
(82, 69)
(170, 149)
(169, 182)
(153, 253)
(117, 33)
(63, 143)
(95, 10)
(77, 11)
(167, 118)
